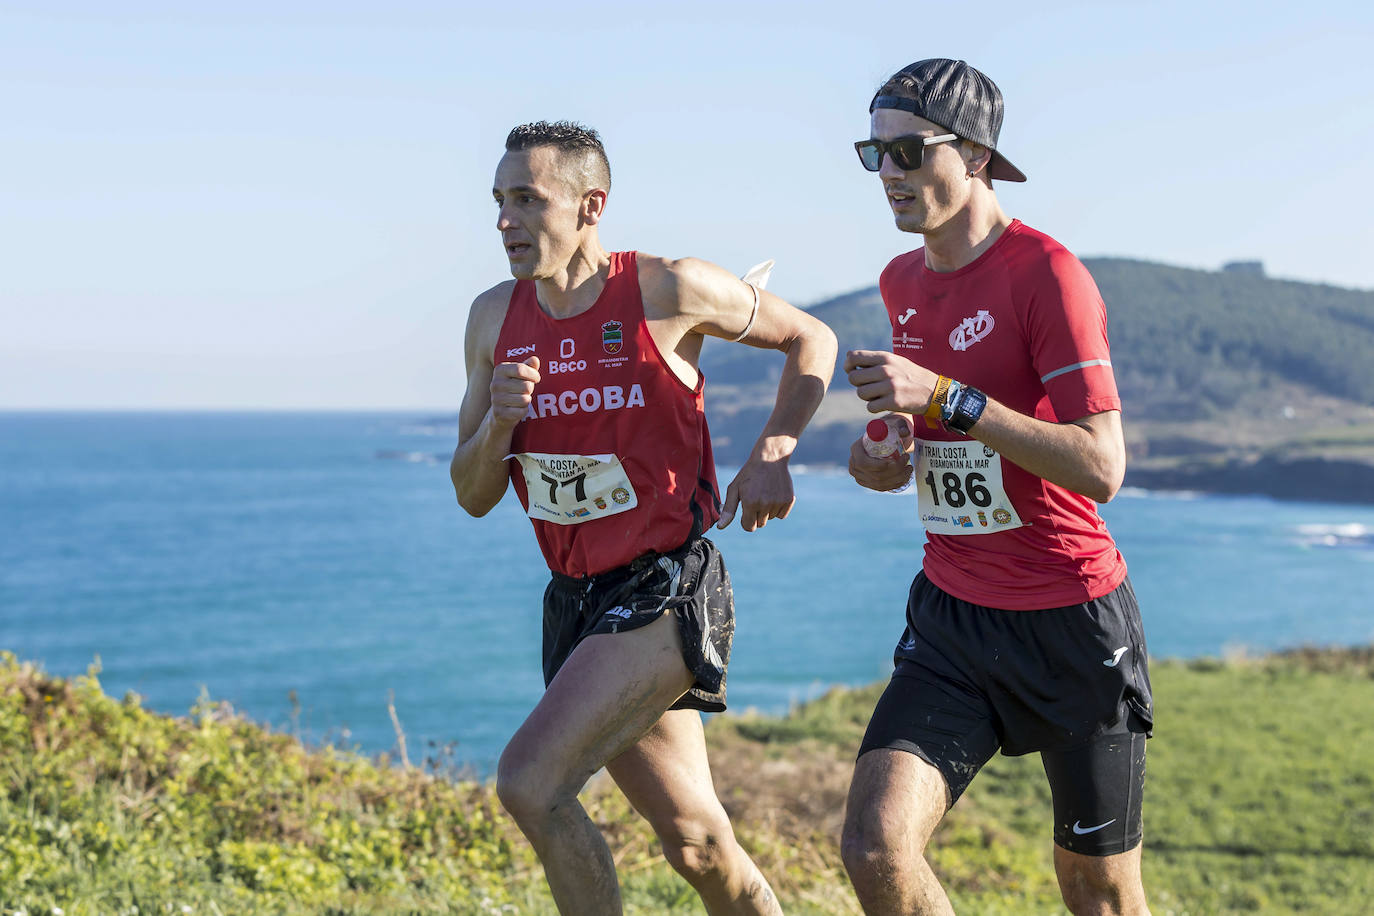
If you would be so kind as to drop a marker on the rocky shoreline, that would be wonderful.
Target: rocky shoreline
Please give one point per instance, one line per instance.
(1310, 478)
(1303, 478)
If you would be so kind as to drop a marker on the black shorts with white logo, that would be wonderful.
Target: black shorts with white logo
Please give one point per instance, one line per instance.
(1072, 683)
(690, 583)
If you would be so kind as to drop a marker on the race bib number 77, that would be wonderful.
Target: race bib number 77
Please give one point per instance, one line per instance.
(572, 489)
(959, 485)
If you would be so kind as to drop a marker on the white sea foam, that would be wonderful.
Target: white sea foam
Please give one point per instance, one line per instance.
(1142, 493)
(410, 456)
(1348, 534)
(430, 429)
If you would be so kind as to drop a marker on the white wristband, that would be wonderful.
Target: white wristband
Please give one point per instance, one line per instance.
(752, 315)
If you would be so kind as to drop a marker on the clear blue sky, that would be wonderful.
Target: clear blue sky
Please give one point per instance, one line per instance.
(288, 204)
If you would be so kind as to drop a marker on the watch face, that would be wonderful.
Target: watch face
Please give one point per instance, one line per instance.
(969, 410)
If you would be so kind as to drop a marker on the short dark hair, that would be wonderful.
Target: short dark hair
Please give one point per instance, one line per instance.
(575, 142)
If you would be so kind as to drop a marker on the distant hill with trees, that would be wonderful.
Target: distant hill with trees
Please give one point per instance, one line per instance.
(1174, 331)
(1228, 378)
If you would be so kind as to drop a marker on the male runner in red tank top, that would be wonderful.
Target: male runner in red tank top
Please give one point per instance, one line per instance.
(583, 392)
(1022, 631)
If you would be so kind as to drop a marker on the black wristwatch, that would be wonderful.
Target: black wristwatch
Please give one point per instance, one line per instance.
(967, 410)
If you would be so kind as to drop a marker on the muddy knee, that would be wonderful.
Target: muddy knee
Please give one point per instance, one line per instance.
(875, 854)
(698, 850)
(866, 856)
(527, 790)
(1091, 900)
(1099, 891)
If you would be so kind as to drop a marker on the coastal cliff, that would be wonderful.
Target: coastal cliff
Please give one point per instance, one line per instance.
(1231, 382)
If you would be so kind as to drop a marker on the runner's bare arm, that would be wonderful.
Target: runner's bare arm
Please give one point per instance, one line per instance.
(495, 401)
(711, 301)
(1086, 455)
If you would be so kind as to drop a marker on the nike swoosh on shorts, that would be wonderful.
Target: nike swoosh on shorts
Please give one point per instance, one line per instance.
(1080, 830)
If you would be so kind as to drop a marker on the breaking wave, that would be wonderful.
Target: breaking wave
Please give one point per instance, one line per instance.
(1352, 534)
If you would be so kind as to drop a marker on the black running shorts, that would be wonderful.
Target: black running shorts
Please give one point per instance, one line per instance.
(1070, 682)
(690, 583)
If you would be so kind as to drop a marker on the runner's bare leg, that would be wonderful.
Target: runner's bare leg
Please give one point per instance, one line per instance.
(1101, 884)
(896, 800)
(610, 691)
(667, 777)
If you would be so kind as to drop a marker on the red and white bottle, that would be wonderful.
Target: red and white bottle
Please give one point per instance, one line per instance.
(881, 441)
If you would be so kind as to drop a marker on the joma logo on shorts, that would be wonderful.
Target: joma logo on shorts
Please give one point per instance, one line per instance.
(619, 611)
(588, 400)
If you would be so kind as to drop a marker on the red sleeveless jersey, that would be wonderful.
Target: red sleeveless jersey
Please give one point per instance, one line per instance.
(613, 458)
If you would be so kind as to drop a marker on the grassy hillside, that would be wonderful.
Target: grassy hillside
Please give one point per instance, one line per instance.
(1259, 798)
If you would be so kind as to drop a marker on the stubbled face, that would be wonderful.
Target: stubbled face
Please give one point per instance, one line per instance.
(538, 212)
(925, 199)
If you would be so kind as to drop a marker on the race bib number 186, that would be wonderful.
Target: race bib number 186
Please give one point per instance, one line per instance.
(572, 489)
(959, 485)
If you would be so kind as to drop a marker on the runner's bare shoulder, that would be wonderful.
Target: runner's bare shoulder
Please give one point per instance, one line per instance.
(675, 287)
(486, 316)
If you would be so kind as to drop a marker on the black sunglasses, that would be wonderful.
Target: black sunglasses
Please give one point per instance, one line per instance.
(907, 152)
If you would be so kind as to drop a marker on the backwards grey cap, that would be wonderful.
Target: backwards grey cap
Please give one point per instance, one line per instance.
(955, 96)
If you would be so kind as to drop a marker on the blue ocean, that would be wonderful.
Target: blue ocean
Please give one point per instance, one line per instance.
(309, 568)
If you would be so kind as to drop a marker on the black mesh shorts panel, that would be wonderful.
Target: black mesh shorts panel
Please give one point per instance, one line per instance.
(690, 583)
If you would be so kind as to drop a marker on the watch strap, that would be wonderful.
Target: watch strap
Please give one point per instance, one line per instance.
(936, 408)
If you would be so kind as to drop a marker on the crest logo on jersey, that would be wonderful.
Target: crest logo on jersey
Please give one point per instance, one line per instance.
(611, 338)
(971, 330)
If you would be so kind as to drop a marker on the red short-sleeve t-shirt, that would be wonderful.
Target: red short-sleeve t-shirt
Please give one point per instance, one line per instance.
(1026, 324)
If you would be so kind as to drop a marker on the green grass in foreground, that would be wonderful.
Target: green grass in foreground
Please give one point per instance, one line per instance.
(1259, 798)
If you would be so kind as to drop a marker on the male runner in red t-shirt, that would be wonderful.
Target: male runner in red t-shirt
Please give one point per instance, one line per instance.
(583, 392)
(1022, 632)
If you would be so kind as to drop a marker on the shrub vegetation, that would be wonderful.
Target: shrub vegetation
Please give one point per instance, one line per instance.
(1259, 798)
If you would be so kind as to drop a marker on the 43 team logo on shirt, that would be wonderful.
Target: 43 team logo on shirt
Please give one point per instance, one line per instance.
(971, 330)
